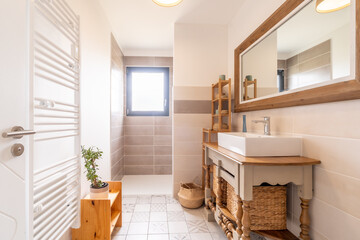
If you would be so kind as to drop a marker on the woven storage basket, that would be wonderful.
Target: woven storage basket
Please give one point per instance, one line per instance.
(191, 195)
(267, 209)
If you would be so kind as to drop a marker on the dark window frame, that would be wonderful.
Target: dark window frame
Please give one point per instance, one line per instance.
(129, 71)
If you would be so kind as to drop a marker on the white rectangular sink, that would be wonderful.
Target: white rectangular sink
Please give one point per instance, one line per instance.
(257, 145)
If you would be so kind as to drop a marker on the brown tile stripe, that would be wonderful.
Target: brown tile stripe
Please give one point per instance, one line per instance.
(192, 106)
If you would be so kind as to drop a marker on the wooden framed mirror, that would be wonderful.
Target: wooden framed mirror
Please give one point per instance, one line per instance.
(334, 89)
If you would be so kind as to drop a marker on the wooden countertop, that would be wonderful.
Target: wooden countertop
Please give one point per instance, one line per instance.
(268, 161)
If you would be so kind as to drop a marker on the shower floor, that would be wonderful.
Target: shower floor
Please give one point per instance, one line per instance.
(147, 185)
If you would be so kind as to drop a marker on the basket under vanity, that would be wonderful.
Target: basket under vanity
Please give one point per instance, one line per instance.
(242, 174)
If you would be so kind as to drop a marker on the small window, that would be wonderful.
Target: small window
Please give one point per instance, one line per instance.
(147, 91)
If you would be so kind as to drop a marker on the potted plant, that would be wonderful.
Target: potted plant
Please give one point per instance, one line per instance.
(98, 189)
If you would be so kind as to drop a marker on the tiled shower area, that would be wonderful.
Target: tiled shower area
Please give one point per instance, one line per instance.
(148, 139)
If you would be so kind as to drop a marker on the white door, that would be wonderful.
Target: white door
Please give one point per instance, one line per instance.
(39, 90)
(14, 111)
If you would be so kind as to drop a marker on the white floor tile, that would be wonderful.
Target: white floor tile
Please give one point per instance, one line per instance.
(140, 217)
(129, 200)
(136, 237)
(158, 227)
(213, 227)
(121, 231)
(218, 236)
(173, 207)
(158, 207)
(180, 236)
(158, 237)
(176, 216)
(178, 227)
(197, 226)
(200, 236)
(120, 237)
(158, 199)
(142, 208)
(193, 214)
(158, 216)
(138, 228)
(126, 217)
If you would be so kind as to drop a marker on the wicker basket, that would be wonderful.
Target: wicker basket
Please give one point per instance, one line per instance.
(267, 209)
(191, 195)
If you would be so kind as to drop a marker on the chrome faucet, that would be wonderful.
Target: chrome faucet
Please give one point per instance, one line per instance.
(266, 122)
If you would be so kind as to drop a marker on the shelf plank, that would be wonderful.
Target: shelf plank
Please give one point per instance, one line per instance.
(112, 197)
(114, 218)
(226, 212)
(277, 234)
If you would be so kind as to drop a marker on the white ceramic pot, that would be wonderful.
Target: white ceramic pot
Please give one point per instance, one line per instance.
(102, 192)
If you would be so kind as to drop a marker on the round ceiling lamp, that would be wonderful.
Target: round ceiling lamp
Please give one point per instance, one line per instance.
(167, 3)
(326, 6)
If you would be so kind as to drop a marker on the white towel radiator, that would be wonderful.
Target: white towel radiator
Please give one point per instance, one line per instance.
(56, 118)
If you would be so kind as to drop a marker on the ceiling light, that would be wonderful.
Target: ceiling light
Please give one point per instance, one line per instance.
(325, 6)
(167, 3)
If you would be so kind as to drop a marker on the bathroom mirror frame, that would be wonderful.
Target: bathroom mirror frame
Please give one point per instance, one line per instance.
(339, 91)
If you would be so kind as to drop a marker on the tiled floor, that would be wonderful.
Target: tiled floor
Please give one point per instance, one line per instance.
(160, 217)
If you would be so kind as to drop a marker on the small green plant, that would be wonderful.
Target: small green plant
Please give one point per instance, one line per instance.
(90, 156)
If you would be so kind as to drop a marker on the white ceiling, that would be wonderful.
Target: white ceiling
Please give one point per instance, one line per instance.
(146, 29)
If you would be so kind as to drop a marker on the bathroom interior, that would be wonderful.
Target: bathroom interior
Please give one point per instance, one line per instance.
(180, 119)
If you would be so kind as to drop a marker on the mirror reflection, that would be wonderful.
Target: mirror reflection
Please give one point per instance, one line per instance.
(308, 48)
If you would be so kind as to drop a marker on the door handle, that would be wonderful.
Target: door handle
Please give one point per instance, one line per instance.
(17, 132)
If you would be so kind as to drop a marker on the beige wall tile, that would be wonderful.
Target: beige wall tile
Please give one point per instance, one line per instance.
(192, 93)
(187, 148)
(139, 170)
(332, 222)
(163, 170)
(164, 61)
(338, 190)
(192, 106)
(315, 51)
(139, 160)
(163, 121)
(139, 130)
(339, 155)
(139, 140)
(163, 160)
(163, 130)
(192, 120)
(139, 61)
(317, 62)
(139, 150)
(162, 140)
(183, 134)
(339, 119)
(188, 162)
(163, 150)
(139, 120)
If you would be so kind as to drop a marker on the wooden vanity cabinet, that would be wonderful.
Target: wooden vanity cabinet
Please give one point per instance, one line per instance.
(242, 173)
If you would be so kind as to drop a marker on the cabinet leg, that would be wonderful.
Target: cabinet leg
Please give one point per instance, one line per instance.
(219, 193)
(207, 184)
(239, 215)
(246, 221)
(304, 219)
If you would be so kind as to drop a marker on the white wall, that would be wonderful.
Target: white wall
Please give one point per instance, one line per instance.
(330, 133)
(95, 81)
(200, 52)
